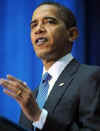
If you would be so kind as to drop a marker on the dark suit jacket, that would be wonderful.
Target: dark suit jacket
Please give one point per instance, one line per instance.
(74, 106)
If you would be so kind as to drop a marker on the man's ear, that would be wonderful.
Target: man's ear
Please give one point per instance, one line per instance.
(73, 34)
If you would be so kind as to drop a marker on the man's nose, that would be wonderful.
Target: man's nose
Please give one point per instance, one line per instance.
(40, 29)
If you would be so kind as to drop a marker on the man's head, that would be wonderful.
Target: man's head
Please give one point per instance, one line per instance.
(53, 30)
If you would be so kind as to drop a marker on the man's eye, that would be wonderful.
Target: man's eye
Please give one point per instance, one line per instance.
(51, 22)
(33, 25)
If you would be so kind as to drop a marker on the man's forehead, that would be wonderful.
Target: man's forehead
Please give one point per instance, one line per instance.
(45, 9)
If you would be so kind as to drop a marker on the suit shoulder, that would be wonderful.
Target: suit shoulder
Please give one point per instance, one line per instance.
(88, 76)
(88, 69)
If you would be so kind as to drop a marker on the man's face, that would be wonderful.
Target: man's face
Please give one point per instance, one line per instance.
(48, 33)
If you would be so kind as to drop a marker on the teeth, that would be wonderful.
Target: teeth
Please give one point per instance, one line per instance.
(41, 40)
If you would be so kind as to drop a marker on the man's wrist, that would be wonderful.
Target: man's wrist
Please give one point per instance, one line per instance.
(37, 116)
(40, 123)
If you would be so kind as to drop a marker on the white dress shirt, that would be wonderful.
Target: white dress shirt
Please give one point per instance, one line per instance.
(55, 70)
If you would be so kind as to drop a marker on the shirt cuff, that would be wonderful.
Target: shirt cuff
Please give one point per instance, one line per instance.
(40, 123)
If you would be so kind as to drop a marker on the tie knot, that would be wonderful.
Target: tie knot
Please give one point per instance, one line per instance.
(46, 77)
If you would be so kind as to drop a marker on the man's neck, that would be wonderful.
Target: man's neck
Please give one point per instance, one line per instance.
(47, 65)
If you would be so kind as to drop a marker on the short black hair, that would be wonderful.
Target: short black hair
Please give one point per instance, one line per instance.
(65, 13)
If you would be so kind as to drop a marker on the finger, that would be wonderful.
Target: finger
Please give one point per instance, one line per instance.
(1, 81)
(10, 77)
(18, 97)
(12, 86)
(12, 94)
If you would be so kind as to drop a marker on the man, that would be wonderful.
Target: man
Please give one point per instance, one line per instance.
(73, 99)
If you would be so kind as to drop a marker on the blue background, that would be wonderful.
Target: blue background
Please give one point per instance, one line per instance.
(16, 52)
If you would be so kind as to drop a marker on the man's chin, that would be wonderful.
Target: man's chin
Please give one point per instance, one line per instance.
(47, 57)
(44, 56)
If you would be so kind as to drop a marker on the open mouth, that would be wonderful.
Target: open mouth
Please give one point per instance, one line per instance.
(41, 40)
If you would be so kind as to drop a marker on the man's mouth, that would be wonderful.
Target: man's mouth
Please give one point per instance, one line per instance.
(41, 40)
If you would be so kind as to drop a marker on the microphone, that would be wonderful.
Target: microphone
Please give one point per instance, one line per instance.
(7, 125)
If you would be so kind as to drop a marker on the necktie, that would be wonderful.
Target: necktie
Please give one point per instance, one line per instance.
(43, 90)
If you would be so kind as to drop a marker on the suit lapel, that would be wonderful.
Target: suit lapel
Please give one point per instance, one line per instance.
(61, 85)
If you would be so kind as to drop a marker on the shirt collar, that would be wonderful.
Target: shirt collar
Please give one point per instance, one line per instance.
(56, 69)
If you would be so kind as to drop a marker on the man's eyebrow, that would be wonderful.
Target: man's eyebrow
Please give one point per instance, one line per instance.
(46, 17)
